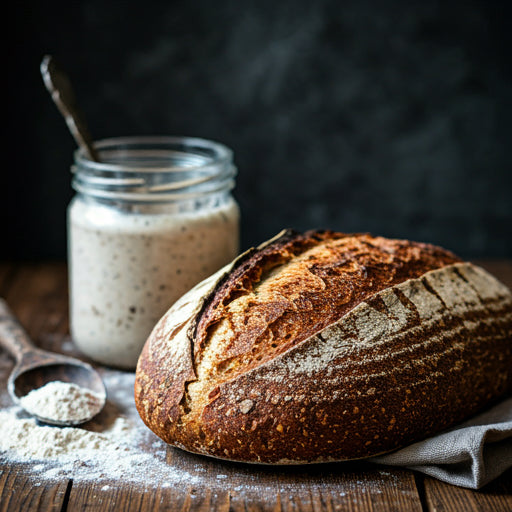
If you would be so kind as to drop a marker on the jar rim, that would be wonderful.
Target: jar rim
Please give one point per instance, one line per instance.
(220, 154)
(154, 168)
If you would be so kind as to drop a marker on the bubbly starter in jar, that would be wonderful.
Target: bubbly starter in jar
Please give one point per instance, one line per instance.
(128, 269)
(130, 261)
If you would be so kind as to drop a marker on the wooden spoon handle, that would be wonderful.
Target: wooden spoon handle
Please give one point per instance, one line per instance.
(12, 336)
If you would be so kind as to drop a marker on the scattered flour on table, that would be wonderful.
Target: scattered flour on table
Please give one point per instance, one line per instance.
(62, 401)
(110, 447)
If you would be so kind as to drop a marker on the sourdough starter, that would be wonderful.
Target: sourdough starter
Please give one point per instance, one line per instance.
(128, 267)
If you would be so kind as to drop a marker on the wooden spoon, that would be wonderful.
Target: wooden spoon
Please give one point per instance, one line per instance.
(36, 367)
(59, 86)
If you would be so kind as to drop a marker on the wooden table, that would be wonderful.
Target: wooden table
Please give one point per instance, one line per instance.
(37, 294)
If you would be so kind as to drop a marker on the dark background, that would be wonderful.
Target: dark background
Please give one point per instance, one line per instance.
(392, 117)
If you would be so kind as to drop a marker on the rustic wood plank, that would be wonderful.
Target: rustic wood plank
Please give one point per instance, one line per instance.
(100, 496)
(355, 486)
(494, 497)
(362, 488)
(20, 493)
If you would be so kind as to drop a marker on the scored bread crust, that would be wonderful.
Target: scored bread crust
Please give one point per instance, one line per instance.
(263, 363)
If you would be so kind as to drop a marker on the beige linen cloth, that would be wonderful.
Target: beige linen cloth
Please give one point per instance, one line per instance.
(468, 455)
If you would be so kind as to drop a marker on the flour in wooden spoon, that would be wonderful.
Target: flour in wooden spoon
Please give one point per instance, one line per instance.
(62, 401)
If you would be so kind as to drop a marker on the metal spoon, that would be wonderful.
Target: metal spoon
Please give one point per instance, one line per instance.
(36, 367)
(59, 86)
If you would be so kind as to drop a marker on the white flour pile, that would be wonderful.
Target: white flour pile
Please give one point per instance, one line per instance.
(31, 441)
(62, 401)
(111, 447)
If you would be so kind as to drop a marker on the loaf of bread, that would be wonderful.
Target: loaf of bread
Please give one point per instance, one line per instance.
(324, 346)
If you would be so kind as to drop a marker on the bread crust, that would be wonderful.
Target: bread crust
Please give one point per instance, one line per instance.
(378, 359)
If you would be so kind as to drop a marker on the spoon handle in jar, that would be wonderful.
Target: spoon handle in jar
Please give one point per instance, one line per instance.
(12, 336)
(59, 86)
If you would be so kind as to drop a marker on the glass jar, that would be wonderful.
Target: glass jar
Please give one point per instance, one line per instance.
(149, 221)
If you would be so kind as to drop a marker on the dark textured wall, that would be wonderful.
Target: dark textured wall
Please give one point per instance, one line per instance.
(390, 117)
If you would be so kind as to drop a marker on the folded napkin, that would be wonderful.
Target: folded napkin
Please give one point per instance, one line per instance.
(468, 455)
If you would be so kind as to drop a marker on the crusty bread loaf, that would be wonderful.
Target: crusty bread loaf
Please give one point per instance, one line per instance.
(324, 346)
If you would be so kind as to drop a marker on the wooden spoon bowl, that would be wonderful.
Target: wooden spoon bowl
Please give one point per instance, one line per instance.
(35, 367)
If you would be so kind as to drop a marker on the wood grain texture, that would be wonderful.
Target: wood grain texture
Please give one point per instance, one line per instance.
(107, 495)
(352, 486)
(357, 488)
(19, 492)
(494, 497)
(38, 294)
